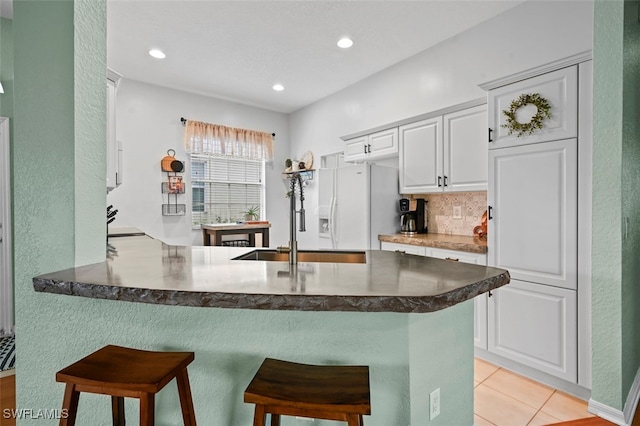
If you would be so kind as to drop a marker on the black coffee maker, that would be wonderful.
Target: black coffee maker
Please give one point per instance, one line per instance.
(412, 221)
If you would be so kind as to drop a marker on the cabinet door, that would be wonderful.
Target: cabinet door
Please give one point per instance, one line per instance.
(465, 150)
(383, 144)
(421, 156)
(403, 248)
(535, 325)
(559, 88)
(533, 208)
(355, 149)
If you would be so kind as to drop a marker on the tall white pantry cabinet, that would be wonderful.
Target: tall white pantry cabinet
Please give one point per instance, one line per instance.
(539, 226)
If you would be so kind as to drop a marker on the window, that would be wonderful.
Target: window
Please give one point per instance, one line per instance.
(224, 188)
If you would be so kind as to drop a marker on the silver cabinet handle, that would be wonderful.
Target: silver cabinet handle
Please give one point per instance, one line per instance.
(452, 259)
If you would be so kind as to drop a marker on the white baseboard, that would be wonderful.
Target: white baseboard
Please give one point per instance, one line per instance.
(621, 418)
(611, 414)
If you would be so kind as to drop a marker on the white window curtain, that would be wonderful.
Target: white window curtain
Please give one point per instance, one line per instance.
(218, 140)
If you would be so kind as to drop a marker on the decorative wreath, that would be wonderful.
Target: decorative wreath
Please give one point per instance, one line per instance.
(536, 121)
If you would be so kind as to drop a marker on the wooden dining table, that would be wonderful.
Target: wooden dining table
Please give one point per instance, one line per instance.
(212, 233)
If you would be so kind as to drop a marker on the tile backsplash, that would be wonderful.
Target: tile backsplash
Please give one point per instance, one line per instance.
(441, 209)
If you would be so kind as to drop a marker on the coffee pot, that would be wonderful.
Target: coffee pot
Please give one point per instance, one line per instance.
(408, 223)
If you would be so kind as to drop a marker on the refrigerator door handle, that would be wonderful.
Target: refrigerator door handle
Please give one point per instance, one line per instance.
(332, 224)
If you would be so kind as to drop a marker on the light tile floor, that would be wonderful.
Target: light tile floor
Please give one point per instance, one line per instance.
(503, 398)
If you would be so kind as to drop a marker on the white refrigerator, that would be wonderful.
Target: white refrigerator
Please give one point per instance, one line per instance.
(356, 203)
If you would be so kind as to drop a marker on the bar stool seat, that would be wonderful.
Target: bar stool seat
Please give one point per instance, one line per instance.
(123, 372)
(316, 391)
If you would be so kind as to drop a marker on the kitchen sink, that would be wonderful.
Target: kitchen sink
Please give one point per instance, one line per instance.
(307, 256)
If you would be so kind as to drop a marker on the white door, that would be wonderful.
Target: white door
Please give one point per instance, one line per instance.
(352, 205)
(6, 280)
(535, 324)
(559, 88)
(532, 200)
(326, 192)
(465, 150)
(421, 157)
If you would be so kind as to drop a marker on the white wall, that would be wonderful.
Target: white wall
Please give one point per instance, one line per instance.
(148, 124)
(524, 37)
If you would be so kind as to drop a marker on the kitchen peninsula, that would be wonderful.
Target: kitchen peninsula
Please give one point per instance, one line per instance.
(388, 313)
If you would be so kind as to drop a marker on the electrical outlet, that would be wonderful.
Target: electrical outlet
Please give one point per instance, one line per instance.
(434, 404)
(457, 212)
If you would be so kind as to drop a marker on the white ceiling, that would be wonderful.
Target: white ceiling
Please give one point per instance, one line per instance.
(237, 50)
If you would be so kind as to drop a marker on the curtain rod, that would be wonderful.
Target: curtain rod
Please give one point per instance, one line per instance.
(184, 123)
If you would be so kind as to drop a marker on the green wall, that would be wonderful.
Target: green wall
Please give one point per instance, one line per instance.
(56, 120)
(616, 201)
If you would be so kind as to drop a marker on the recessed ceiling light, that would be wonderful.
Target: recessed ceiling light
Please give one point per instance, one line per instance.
(157, 53)
(345, 42)
(278, 87)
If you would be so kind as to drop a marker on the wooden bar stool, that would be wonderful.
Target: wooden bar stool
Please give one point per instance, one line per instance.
(316, 391)
(131, 373)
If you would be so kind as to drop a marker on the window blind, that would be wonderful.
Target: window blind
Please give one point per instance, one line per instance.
(224, 188)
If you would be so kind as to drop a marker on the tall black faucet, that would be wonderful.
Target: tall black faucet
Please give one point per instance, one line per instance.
(293, 242)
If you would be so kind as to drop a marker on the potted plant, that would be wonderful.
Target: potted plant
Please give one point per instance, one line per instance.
(252, 213)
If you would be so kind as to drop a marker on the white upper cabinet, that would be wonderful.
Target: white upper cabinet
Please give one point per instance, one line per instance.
(559, 88)
(446, 153)
(421, 156)
(383, 144)
(465, 150)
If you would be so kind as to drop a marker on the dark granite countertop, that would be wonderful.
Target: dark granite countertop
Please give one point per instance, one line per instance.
(146, 270)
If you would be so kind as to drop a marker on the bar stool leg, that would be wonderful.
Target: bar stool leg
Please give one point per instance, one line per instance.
(147, 409)
(259, 416)
(69, 405)
(354, 420)
(275, 419)
(184, 391)
(117, 410)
